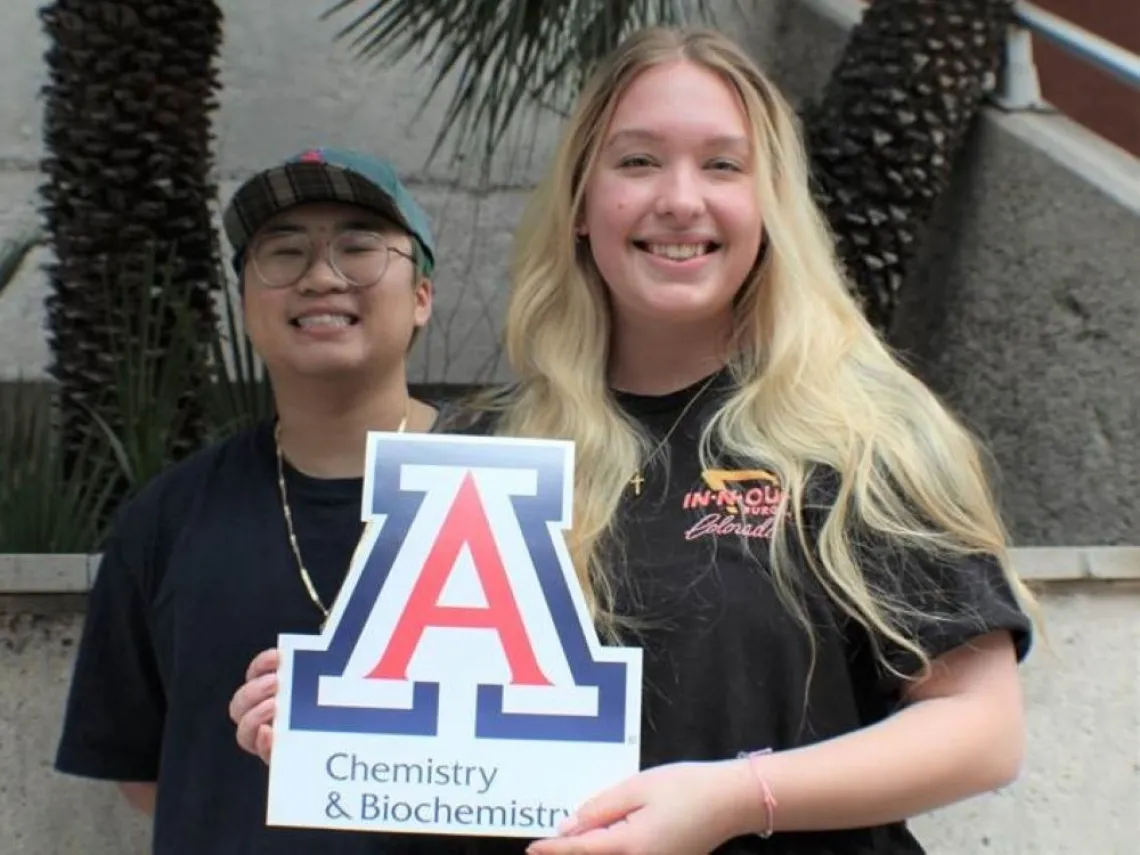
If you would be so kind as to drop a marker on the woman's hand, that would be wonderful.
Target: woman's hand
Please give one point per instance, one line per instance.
(253, 705)
(679, 809)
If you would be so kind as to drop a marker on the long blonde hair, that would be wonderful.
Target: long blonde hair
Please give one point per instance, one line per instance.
(815, 387)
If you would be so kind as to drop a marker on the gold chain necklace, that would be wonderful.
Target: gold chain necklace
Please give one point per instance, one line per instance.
(637, 481)
(305, 577)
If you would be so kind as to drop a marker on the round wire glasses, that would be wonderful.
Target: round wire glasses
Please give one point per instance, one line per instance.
(359, 258)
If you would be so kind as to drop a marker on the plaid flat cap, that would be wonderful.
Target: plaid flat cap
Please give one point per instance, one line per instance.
(326, 175)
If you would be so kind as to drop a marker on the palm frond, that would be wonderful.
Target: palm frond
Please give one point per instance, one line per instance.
(14, 250)
(506, 55)
(153, 376)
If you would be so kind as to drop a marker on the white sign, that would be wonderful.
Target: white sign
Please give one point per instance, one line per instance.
(459, 686)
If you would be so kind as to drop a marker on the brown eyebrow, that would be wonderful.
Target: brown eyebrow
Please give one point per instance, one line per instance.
(647, 136)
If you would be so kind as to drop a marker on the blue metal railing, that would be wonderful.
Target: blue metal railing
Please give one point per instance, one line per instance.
(1102, 53)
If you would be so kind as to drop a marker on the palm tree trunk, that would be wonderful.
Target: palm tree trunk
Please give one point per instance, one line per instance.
(891, 121)
(128, 105)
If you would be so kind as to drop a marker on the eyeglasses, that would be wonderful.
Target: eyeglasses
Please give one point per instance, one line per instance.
(360, 259)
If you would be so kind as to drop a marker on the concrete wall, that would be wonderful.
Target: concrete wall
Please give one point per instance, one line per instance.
(1030, 291)
(1026, 321)
(1077, 794)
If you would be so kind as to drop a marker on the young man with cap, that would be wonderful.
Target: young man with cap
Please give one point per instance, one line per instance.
(252, 536)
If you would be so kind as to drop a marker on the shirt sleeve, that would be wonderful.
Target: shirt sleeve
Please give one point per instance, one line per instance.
(941, 603)
(115, 709)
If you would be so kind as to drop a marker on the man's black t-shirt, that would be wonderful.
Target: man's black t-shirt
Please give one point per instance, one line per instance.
(199, 578)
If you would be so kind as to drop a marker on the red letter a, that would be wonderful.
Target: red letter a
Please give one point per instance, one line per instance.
(466, 524)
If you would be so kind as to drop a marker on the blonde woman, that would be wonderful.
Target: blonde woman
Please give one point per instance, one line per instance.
(799, 536)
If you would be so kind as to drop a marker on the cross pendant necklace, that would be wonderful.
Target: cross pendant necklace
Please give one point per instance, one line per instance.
(638, 480)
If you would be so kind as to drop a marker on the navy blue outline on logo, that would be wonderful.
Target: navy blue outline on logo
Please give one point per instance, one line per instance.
(535, 514)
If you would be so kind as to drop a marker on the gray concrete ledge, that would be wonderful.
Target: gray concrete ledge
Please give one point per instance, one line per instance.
(1109, 168)
(74, 574)
(47, 574)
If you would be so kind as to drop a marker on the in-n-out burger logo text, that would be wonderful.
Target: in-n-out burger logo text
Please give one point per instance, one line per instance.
(739, 502)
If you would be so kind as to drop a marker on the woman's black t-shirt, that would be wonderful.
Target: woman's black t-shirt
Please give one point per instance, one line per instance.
(726, 665)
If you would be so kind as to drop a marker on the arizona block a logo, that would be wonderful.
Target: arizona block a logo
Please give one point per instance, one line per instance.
(459, 686)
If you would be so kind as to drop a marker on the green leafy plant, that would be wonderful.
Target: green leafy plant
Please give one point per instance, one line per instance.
(45, 507)
(153, 391)
(239, 393)
(153, 387)
(56, 499)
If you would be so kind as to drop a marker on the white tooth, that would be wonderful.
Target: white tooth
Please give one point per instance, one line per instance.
(677, 251)
(324, 320)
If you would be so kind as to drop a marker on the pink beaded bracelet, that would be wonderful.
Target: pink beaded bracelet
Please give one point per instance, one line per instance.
(765, 790)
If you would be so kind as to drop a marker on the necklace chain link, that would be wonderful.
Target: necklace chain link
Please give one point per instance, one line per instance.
(288, 512)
